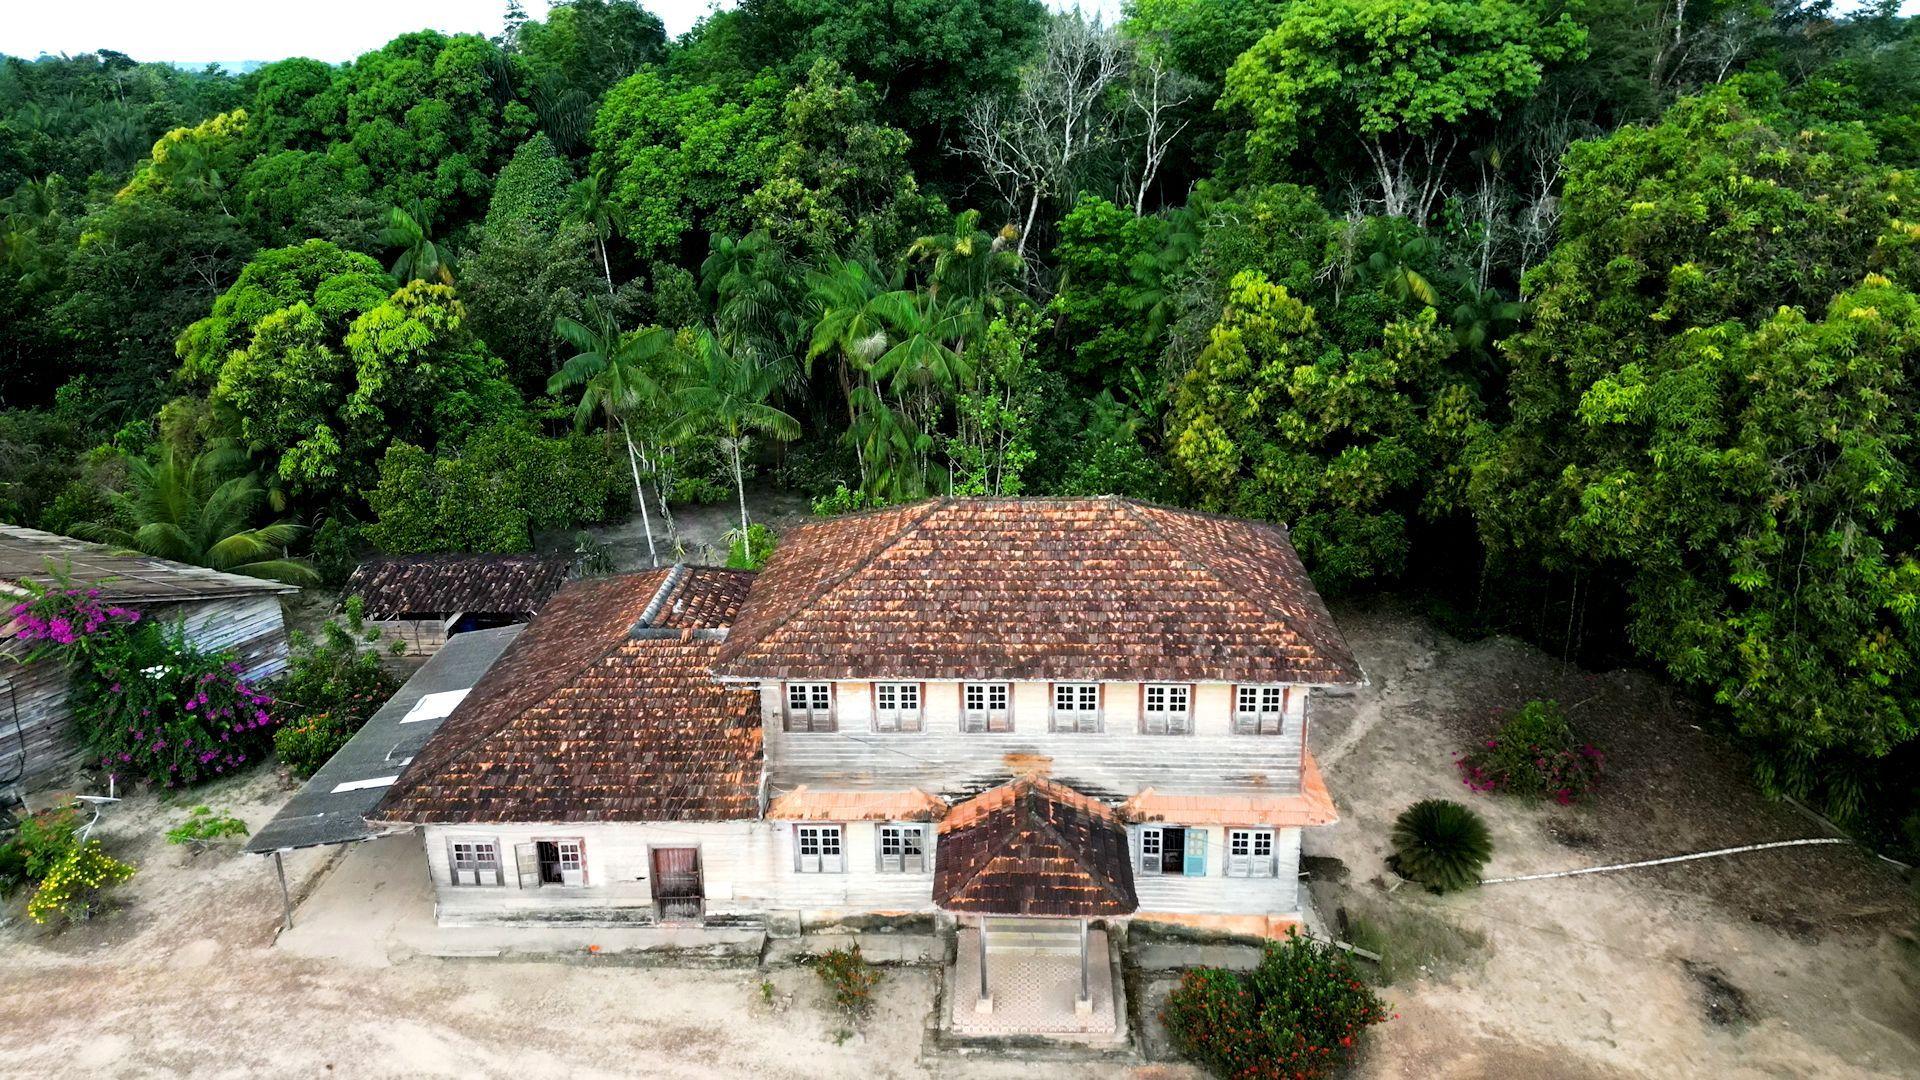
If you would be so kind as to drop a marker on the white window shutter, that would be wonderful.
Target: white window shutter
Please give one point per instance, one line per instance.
(832, 864)
(809, 864)
(916, 864)
(526, 862)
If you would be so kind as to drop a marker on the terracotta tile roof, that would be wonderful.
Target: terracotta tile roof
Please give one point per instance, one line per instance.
(804, 804)
(1313, 806)
(602, 710)
(1033, 847)
(1037, 589)
(420, 586)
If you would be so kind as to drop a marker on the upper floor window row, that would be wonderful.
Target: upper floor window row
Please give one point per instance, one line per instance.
(1165, 708)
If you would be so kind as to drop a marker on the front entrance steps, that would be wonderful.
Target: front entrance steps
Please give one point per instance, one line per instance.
(1033, 975)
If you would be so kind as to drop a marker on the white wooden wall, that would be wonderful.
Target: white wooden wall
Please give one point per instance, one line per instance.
(250, 626)
(1115, 762)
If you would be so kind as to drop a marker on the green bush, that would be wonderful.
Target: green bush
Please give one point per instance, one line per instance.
(336, 551)
(36, 847)
(1441, 844)
(1534, 754)
(331, 687)
(750, 551)
(203, 827)
(72, 889)
(850, 980)
(503, 485)
(1297, 1016)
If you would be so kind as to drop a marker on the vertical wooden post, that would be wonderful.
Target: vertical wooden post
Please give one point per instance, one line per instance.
(286, 900)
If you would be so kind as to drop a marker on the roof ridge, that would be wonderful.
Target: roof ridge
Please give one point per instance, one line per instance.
(410, 779)
(731, 651)
(1037, 785)
(1238, 587)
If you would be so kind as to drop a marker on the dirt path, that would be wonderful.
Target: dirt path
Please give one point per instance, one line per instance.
(1775, 964)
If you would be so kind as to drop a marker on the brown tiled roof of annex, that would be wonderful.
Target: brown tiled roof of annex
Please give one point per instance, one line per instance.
(417, 586)
(591, 716)
(1034, 847)
(1037, 589)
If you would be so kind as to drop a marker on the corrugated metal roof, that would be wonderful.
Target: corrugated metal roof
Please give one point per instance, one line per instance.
(331, 808)
(127, 577)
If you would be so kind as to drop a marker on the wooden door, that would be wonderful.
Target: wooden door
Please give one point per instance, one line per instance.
(677, 891)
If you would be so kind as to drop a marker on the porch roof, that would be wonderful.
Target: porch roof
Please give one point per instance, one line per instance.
(1034, 847)
(1313, 805)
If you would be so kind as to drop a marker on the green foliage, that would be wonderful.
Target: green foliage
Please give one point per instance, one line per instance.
(681, 157)
(577, 53)
(1108, 275)
(200, 511)
(1535, 754)
(749, 551)
(336, 551)
(333, 684)
(1713, 404)
(1441, 844)
(517, 283)
(41, 842)
(203, 827)
(850, 979)
(532, 189)
(71, 891)
(1297, 1016)
(839, 180)
(500, 487)
(845, 500)
(1376, 69)
(336, 286)
(1277, 421)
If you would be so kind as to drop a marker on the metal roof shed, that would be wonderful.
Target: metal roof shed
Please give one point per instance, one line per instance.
(331, 808)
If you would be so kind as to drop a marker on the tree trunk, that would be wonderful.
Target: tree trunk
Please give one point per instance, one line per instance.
(606, 266)
(740, 485)
(1033, 206)
(640, 494)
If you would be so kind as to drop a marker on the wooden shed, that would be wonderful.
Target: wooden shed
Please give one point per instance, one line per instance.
(424, 599)
(215, 610)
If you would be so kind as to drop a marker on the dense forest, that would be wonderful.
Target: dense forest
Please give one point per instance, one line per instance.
(1589, 321)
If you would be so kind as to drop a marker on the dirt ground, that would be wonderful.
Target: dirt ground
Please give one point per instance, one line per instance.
(1781, 963)
(1776, 964)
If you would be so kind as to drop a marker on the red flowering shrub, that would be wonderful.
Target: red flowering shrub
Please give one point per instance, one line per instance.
(1297, 1016)
(1534, 754)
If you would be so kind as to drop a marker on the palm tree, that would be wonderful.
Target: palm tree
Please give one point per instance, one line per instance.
(611, 370)
(841, 296)
(199, 510)
(727, 393)
(968, 262)
(751, 282)
(420, 258)
(594, 207)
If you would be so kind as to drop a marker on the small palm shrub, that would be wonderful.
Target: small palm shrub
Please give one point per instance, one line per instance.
(1441, 844)
(1535, 754)
(1297, 1016)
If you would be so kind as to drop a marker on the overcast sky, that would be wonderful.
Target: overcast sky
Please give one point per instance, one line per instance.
(194, 31)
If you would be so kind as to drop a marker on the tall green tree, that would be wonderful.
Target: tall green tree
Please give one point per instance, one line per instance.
(731, 396)
(619, 377)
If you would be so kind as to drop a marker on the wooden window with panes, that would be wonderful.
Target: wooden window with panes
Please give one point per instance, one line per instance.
(1250, 853)
(1167, 709)
(809, 706)
(903, 849)
(475, 862)
(986, 706)
(817, 849)
(896, 706)
(1259, 710)
(1076, 707)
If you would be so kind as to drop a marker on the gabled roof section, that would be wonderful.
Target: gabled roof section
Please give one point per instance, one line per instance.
(124, 576)
(423, 586)
(1103, 588)
(602, 710)
(1034, 847)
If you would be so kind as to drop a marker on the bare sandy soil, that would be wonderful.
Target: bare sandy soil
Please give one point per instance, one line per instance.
(1771, 965)
(1781, 963)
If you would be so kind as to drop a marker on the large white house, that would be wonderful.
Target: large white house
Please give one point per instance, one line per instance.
(1074, 708)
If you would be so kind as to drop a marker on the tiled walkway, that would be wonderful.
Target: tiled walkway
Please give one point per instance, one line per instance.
(1033, 992)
